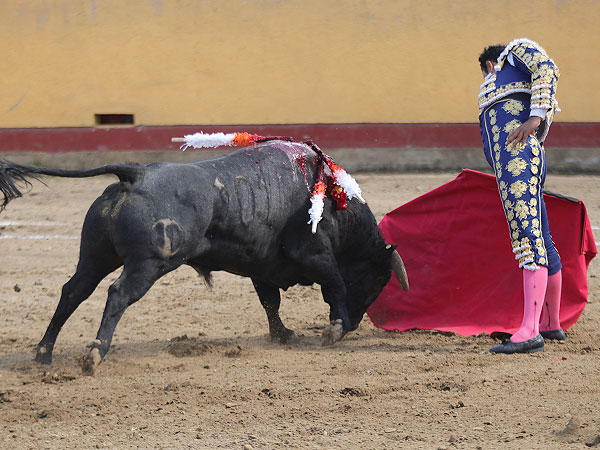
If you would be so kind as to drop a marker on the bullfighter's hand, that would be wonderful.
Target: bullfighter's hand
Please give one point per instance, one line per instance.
(520, 135)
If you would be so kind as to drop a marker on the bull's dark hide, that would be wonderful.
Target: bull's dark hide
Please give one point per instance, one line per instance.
(245, 213)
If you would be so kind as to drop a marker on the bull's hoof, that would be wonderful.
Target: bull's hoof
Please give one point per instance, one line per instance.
(333, 332)
(287, 336)
(43, 356)
(91, 362)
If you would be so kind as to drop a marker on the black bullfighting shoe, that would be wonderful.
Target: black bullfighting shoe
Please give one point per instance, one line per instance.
(555, 335)
(532, 345)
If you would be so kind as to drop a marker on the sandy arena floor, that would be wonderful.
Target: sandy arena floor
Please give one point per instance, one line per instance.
(192, 367)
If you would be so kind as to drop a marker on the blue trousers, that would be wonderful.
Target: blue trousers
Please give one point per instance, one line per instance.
(520, 173)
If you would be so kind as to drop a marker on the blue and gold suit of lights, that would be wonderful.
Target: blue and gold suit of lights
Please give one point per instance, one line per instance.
(520, 169)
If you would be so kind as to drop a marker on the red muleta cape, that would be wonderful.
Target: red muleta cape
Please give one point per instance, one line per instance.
(463, 277)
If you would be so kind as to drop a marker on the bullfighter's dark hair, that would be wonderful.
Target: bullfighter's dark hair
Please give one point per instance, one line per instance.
(490, 53)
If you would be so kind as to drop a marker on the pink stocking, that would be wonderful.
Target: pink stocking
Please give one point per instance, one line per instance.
(551, 309)
(534, 288)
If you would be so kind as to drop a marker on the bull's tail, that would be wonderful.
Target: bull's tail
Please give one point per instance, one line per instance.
(14, 176)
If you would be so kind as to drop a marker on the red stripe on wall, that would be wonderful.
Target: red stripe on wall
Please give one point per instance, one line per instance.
(328, 136)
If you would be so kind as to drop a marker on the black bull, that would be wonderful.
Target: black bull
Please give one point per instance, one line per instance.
(245, 213)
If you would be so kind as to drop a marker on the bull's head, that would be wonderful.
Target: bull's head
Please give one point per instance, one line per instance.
(366, 279)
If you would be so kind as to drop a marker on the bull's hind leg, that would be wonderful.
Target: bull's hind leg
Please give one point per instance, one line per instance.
(137, 278)
(81, 285)
(270, 298)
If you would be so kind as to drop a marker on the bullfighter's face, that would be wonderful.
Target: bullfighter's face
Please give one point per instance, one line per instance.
(490, 68)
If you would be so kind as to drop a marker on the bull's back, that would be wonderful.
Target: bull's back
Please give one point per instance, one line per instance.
(259, 192)
(263, 185)
(237, 204)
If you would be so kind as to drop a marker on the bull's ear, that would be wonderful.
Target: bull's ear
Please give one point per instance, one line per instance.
(390, 248)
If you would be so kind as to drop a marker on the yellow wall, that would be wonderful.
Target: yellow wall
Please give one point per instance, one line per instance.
(174, 62)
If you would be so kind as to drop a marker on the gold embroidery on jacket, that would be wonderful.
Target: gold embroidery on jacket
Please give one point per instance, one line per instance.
(503, 91)
(513, 107)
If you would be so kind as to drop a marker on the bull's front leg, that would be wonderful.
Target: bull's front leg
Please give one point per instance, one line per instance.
(318, 263)
(334, 294)
(270, 298)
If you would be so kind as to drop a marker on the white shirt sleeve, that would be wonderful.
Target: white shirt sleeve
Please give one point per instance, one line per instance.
(538, 112)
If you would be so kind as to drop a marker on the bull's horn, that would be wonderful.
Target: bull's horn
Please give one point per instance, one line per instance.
(399, 270)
